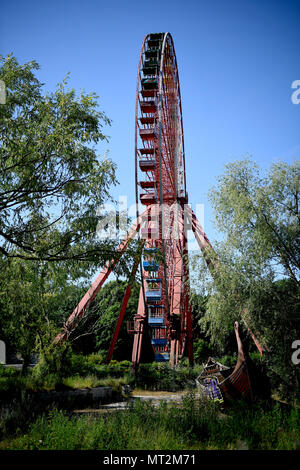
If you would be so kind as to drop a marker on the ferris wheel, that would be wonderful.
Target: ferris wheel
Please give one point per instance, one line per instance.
(161, 187)
(162, 326)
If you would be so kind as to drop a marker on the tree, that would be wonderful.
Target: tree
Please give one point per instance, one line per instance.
(95, 331)
(109, 302)
(260, 216)
(51, 179)
(256, 278)
(198, 307)
(201, 344)
(31, 298)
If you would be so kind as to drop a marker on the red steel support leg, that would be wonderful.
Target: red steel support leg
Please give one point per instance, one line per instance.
(202, 240)
(79, 311)
(211, 258)
(176, 302)
(180, 302)
(188, 311)
(173, 352)
(123, 307)
(138, 338)
(138, 331)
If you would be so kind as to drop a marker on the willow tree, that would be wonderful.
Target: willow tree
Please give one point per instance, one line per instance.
(257, 278)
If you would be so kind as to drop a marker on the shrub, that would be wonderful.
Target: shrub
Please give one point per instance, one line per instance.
(95, 359)
(80, 365)
(229, 361)
(117, 369)
(8, 371)
(202, 350)
(161, 376)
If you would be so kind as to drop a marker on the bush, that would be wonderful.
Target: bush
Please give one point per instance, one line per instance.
(95, 359)
(8, 371)
(117, 369)
(80, 365)
(161, 376)
(229, 361)
(202, 350)
(63, 364)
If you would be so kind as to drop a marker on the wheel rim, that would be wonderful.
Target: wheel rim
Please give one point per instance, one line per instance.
(161, 186)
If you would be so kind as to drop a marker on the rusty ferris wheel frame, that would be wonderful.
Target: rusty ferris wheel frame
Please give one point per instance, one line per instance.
(163, 321)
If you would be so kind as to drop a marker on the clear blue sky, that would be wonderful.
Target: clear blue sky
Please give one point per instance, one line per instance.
(237, 61)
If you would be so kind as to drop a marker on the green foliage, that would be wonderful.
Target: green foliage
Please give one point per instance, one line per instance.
(193, 424)
(117, 369)
(52, 183)
(8, 371)
(202, 350)
(82, 366)
(91, 381)
(106, 311)
(161, 376)
(62, 362)
(37, 298)
(229, 361)
(94, 332)
(55, 373)
(52, 180)
(256, 278)
(96, 359)
(260, 215)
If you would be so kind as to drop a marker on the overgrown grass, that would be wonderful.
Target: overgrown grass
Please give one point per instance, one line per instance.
(194, 424)
(161, 376)
(89, 372)
(91, 381)
(86, 372)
